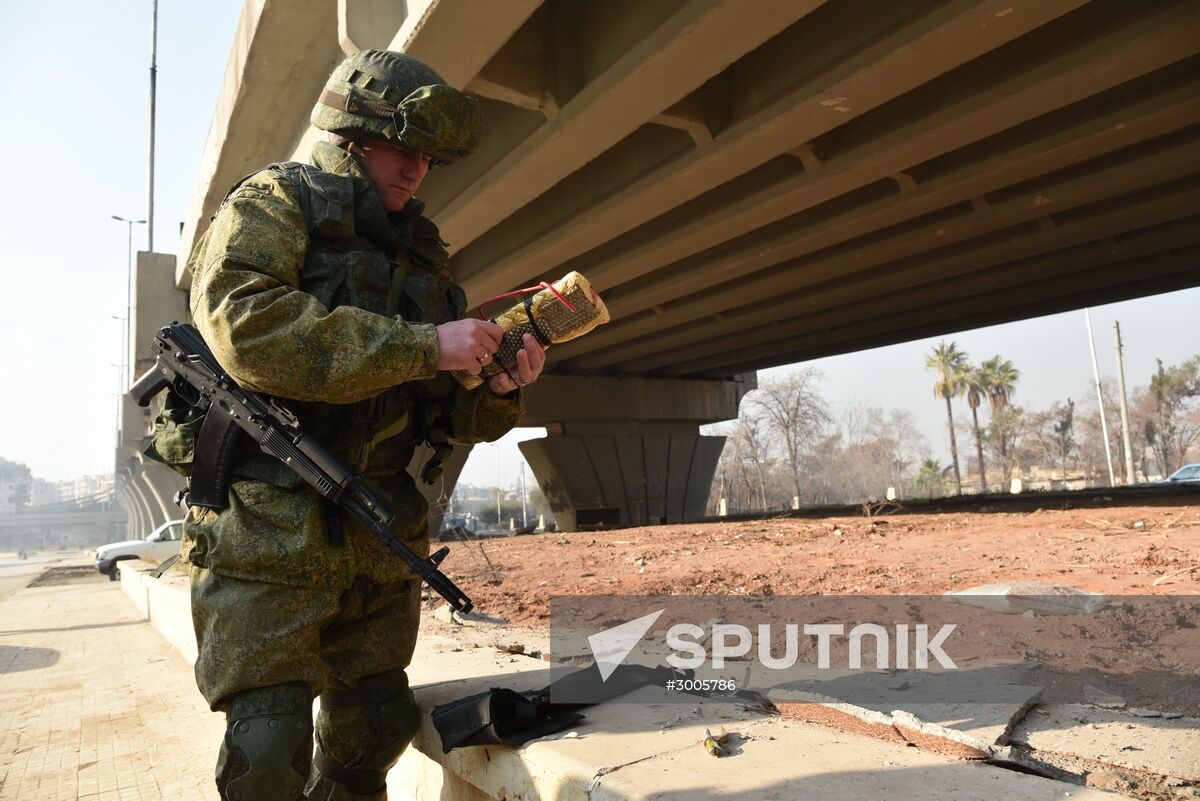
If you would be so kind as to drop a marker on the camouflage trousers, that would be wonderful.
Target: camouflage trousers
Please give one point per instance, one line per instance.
(253, 634)
(308, 642)
(281, 616)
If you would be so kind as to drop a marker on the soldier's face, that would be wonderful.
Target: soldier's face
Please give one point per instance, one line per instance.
(396, 172)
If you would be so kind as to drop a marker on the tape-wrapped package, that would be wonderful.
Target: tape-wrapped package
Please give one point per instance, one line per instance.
(548, 318)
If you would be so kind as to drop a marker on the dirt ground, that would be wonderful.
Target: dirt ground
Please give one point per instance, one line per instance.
(1133, 550)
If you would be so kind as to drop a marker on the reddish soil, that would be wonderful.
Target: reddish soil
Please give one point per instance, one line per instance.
(1120, 550)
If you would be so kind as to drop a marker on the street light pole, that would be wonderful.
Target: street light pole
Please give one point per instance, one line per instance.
(153, 92)
(128, 293)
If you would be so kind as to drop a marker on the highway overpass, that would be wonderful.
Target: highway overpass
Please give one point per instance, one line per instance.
(758, 182)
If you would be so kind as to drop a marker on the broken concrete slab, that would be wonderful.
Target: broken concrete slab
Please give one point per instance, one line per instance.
(1168, 747)
(1024, 597)
(967, 730)
(978, 727)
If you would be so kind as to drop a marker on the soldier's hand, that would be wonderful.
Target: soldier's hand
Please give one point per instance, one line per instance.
(531, 358)
(467, 344)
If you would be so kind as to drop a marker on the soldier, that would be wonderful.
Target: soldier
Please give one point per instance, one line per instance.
(323, 284)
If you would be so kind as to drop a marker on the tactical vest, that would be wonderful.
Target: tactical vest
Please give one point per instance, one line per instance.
(347, 264)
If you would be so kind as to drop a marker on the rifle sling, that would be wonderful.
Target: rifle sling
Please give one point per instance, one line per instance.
(213, 465)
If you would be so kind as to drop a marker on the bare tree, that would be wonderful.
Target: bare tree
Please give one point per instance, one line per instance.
(1055, 433)
(747, 465)
(900, 445)
(1090, 433)
(792, 408)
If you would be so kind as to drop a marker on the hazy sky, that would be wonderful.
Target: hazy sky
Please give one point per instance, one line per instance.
(74, 100)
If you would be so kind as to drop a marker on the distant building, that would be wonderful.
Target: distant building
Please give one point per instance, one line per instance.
(16, 484)
(469, 492)
(44, 493)
(85, 486)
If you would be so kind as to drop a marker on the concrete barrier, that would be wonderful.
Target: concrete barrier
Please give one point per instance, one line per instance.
(630, 751)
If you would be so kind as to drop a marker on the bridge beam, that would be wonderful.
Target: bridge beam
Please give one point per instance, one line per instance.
(788, 92)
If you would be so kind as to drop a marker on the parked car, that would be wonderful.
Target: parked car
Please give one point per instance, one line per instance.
(1189, 473)
(160, 544)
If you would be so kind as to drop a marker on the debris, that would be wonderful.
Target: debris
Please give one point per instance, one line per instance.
(1144, 713)
(1017, 597)
(511, 648)
(570, 735)
(1163, 578)
(447, 614)
(1098, 697)
(1139, 524)
(717, 746)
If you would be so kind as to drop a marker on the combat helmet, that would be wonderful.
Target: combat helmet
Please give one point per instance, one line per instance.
(379, 94)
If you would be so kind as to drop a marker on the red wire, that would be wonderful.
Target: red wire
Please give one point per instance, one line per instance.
(538, 288)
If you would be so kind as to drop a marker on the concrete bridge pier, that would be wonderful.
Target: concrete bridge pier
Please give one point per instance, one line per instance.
(146, 488)
(627, 451)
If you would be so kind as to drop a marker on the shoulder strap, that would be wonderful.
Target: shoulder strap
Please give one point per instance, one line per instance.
(334, 193)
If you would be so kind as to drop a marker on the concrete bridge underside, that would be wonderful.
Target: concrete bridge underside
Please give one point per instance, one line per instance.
(758, 182)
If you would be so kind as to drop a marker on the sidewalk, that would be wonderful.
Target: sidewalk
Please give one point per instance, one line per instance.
(95, 705)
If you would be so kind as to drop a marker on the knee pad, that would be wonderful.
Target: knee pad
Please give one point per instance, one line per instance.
(362, 732)
(268, 745)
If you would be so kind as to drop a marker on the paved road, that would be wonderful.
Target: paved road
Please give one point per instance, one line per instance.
(15, 574)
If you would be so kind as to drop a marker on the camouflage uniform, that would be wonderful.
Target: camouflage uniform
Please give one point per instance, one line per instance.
(306, 288)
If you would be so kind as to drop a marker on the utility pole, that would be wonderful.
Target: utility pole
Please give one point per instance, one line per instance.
(153, 86)
(1112, 479)
(1125, 439)
(498, 521)
(524, 499)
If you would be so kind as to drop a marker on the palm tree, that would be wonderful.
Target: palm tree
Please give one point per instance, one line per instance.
(975, 385)
(1000, 382)
(929, 480)
(950, 364)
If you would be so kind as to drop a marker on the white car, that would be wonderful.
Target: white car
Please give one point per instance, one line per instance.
(1188, 473)
(162, 543)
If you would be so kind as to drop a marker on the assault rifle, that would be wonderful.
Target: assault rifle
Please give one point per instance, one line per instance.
(185, 365)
